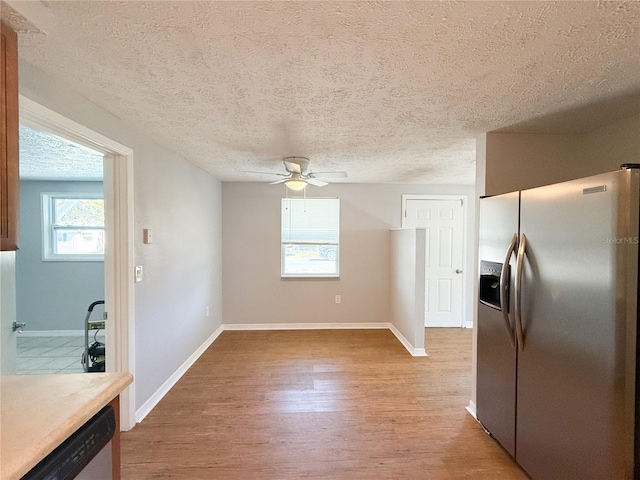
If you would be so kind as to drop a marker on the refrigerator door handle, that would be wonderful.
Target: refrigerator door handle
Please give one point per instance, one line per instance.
(504, 283)
(519, 263)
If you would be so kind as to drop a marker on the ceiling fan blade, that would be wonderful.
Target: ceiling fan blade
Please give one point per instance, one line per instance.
(278, 181)
(266, 173)
(316, 182)
(330, 174)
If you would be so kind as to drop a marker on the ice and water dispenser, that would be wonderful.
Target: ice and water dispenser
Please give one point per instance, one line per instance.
(490, 284)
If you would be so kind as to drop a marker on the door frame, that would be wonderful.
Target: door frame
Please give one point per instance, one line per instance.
(119, 229)
(464, 200)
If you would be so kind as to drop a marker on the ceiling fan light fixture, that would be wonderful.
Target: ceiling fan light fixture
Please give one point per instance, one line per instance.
(295, 184)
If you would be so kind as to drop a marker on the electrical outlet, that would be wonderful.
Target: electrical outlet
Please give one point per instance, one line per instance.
(338, 298)
(206, 311)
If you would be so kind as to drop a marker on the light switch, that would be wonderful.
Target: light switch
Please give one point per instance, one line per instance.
(147, 236)
(138, 273)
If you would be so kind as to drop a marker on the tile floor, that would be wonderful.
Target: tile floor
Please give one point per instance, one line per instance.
(38, 355)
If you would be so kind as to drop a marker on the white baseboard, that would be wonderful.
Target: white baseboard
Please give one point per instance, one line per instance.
(471, 408)
(468, 325)
(52, 333)
(144, 410)
(416, 352)
(304, 326)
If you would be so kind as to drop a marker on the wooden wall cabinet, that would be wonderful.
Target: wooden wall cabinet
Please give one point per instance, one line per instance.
(9, 181)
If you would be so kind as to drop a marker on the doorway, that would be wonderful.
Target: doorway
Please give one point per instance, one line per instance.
(443, 218)
(119, 240)
(60, 263)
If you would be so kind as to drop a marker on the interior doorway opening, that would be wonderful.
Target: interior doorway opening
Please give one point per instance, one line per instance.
(60, 263)
(118, 238)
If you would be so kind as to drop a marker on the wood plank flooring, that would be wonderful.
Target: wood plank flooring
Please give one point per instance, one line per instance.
(327, 404)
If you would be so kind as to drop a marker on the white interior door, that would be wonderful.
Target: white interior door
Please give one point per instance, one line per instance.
(444, 224)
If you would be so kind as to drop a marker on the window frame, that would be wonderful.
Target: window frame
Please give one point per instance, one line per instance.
(49, 229)
(283, 243)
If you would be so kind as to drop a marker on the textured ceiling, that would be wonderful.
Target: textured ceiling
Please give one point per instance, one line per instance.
(387, 91)
(44, 156)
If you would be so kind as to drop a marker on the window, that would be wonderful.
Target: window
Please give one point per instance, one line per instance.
(73, 227)
(310, 237)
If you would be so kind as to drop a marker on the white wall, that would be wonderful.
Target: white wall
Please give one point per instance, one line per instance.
(52, 295)
(408, 285)
(182, 204)
(253, 291)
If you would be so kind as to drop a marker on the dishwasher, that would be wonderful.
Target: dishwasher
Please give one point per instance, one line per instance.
(85, 455)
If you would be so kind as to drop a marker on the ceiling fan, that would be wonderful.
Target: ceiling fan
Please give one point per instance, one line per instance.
(298, 175)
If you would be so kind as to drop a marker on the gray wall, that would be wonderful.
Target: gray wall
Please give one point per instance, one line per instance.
(182, 204)
(609, 146)
(254, 293)
(182, 267)
(52, 295)
(517, 161)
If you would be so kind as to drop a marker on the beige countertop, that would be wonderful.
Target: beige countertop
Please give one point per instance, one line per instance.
(38, 412)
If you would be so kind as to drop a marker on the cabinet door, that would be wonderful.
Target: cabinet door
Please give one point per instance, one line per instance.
(8, 139)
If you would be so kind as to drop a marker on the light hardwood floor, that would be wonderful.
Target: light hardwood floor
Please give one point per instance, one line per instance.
(328, 404)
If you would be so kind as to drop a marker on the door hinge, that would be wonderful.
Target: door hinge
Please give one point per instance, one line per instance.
(104, 316)
(462, 202)
(405, 213)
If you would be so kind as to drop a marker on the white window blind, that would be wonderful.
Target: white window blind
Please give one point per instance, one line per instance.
(310, 237)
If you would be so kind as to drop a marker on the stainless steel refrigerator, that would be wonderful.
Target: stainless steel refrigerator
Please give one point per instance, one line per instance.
(557, 350)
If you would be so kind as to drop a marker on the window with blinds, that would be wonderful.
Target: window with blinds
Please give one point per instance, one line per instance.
(310, 244)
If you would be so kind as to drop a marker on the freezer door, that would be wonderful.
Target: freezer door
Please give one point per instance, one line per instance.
(496, 357)
(576, 370)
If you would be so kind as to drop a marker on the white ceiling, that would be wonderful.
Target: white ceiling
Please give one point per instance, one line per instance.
(44, 156)
(387, 91)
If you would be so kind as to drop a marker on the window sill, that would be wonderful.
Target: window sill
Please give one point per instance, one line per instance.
(336, 275)
(74, 258)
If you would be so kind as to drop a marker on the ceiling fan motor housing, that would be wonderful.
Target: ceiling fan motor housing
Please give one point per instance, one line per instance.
(296, 164)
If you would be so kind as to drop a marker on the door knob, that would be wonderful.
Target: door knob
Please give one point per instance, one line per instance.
(18, 326)
(458, 270)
